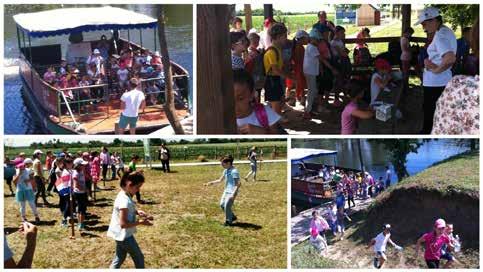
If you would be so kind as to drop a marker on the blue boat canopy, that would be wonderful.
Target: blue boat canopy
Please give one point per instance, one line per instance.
(301, 154)
(73, 20)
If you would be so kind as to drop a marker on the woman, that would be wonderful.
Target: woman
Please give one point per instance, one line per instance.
(164, 157)
(105, 158)
(437, 66)
(458, 108)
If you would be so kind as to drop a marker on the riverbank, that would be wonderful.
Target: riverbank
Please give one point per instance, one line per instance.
(449, 189)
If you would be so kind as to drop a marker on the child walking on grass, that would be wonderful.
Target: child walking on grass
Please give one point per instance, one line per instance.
(124, 221)
(24, 192)
(380, 243)
(80, 190)
(231, 176)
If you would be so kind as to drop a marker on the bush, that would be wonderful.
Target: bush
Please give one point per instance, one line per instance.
(202, 158)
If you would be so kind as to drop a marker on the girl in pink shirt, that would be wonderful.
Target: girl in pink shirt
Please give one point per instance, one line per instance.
(95, 168)
(433, 242)
(352, 112)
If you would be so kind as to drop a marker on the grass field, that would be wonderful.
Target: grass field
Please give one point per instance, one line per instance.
(187, 230)
(179, 153)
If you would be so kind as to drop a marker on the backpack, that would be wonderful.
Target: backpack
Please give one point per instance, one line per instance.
(258, 72)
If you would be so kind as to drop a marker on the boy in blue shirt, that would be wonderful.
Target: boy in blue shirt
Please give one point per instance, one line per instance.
(232, 184)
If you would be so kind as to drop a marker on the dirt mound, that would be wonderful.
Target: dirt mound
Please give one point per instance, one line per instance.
(411, 211)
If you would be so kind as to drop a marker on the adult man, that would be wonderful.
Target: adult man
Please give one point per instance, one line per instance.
(131, 102)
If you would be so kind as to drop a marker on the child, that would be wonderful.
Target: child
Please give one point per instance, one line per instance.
(49, 76)
(95, 169)
(232, 185)
(328, 71)
(301, 39)
(380, 79)
(132, 168)
(24, 192)
(340, 57)
(239, 44)
(317, 227)
(64, 187)
(80, 190)
(379, 243)
(352, 112)
(311, 70)
(120, 165)
(454, 242)
(252, 157)
(434, 242)
(113, 166)
(63, 68)
(124, 222)
(251, 118)
(152, 91)
(254, 63)
(341, 215)
(406, 51)
(87, 173)
(123, 77)
(8, 173)
(273, 64)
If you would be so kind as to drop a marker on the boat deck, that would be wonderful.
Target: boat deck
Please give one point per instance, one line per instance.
(103, 118)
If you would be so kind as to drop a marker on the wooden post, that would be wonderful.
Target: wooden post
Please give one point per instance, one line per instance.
(268, 11)
(216, 101)
(168, 74)
(248, 17)
(406, 17)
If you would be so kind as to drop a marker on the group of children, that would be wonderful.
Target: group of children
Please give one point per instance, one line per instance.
(116, 71)
(74, 177)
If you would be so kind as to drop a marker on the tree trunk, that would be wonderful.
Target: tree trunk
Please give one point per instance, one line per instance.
(169, 104)
(268, 11)
(248, 17)
(360, 155)
(216, 101)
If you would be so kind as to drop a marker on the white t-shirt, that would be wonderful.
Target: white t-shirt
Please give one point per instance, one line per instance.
(123, 201)
(444, 41)
(133, 100)
(334, 45)
(375, 89)
(252, 119)
(381, 242)
(311, 60)
(123, 74)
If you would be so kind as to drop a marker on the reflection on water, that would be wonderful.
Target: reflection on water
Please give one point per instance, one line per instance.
(179, 35)
(375, 156)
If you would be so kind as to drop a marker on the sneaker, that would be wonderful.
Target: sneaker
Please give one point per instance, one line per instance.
(64, 223)
(142, 202)
(376, 262)
(82, 226)
(234, 218)
(228, 224)
(37, 220)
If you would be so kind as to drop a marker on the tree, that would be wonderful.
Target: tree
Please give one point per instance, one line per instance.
(459, 15)
(168, 74)
(398, 150)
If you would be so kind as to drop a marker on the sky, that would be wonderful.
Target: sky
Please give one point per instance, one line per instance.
(27, 141)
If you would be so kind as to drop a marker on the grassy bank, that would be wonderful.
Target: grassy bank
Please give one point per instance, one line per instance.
(187, 231)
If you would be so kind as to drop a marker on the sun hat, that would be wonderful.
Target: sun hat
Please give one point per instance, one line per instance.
(301, 33)
(315, 34)
(96, 51)
(38, 151)
(79, 161)
(440, 223)
(427, 14)
(27, 161)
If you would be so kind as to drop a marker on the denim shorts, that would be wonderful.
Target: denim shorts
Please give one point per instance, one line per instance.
(124, 121)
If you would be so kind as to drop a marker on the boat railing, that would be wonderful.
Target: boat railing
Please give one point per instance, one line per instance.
(162, 88)
(84, 103)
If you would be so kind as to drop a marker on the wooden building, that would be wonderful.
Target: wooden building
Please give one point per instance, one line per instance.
(367, 15)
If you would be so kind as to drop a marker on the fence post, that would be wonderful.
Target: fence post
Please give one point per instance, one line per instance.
(215, 153)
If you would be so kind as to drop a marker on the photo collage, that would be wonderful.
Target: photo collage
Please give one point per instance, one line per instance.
(280, 135)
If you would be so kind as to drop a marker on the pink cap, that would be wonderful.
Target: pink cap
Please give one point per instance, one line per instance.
(440, 223)
(20, 166)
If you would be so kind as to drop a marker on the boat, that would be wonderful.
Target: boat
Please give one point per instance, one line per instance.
(48, 103)
(307, 186)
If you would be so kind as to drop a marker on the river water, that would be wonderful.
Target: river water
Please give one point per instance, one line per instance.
(179, 35)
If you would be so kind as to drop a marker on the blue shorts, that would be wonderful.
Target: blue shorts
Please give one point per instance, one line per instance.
(124, 121)
(447, 256)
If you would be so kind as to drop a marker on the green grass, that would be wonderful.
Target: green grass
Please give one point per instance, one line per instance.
(187, 231)
(179, 153)
(459, 173)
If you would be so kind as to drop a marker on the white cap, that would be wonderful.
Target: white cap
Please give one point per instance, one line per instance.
(96, 51)
(427, 14)
(387, 226)
(28, 160)
(156, 53)
(252, 30)
(301, 33)
(38, 151)
(79, 161)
